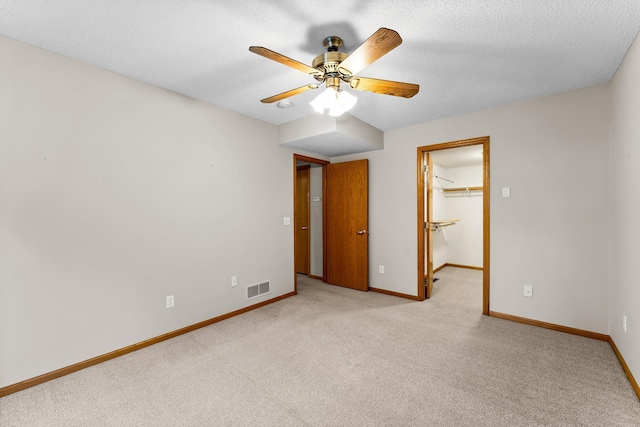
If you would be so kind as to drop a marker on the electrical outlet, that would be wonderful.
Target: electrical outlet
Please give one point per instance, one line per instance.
(170, 301)
(528, 291)
(381, 269)
(234, 281)
(624, 323)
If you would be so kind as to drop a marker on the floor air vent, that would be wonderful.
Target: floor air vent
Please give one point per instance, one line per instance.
(254, 291)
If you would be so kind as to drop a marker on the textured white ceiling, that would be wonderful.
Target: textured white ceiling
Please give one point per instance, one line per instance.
(465, 55)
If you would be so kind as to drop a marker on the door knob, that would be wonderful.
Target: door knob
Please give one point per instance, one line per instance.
(361, 232)
(305, 228)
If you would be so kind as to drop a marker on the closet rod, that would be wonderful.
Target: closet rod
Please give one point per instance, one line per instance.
(438, 225)
(444, 179)
(462, 189)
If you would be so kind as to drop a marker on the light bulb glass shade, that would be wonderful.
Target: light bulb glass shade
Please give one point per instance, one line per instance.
(336, 110)
(346, 100)
(324, 100)
(337, 101)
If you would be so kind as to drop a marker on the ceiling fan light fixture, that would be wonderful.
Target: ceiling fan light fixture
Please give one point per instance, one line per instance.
(334, 67)
(336, 100)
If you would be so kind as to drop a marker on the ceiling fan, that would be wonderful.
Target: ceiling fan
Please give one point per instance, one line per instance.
(334, 67)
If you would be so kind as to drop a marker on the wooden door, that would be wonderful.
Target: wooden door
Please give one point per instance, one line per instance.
(302, 221)
(347, 232)
(428, 177)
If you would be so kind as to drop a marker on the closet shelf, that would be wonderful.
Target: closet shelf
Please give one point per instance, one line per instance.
(438, 225)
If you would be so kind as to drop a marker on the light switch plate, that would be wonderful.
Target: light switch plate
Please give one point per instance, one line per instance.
(506, 191)
(286, 221)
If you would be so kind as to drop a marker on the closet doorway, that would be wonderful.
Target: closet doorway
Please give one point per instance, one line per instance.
(453, 195)
(309, 217)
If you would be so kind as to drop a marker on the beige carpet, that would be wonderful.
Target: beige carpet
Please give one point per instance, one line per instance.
(336, 357)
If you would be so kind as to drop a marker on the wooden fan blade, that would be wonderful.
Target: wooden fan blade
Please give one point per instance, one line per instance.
(275, 56)
(385, 87)
(380, 43)
(288, 93)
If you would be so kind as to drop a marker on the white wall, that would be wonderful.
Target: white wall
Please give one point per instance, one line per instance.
(115, 194)
(550, 234)
(464, 239)
(625, 209)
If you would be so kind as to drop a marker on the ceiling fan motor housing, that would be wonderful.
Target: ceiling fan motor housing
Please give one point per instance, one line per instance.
(327, 63)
